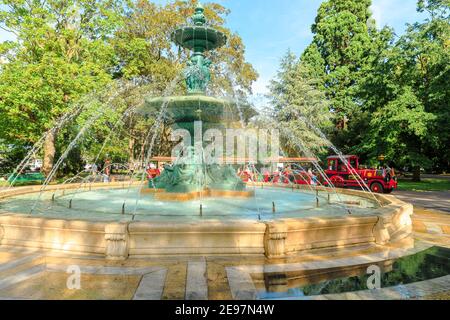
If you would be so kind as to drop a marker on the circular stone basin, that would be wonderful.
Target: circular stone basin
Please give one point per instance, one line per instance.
(107, 204)
(95, 225)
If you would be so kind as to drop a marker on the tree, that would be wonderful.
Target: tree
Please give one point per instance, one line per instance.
(428, 44)
(406, 93)
(341, 45)
(297, 103)
(314, 65)
(400, 131)
(67, 49)
(61, 53)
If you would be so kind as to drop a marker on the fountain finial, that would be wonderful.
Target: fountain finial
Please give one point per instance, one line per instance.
(199, 38)
(199, 16)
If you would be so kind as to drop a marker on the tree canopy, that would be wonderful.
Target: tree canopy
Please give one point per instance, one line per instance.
(296, 103)
(388, 95)
(65, 50)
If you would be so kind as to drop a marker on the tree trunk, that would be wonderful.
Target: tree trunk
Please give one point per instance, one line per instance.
(49, 153)
(131, 144)
(416, 174)
(143, 153)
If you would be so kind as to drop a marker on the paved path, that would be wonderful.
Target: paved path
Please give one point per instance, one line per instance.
(437, 200)
(435, 176)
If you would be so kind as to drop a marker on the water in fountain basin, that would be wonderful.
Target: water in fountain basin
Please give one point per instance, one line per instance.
(106, 205)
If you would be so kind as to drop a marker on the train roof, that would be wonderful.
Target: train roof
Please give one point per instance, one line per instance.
(345, 157)
(245, 160)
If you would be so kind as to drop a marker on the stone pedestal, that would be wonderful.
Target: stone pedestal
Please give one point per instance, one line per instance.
(207, 193)
(381, 230)
(116, 236)
(275, 240)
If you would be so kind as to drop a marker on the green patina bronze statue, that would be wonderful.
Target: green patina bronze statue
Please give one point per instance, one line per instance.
(197, 74)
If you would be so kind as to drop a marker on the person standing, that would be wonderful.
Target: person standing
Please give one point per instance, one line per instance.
(94, 169)
(107, 167)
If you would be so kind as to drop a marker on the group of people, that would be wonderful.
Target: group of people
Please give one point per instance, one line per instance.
(279, 175)
(154, 171)
(249, 174)
(105, 170)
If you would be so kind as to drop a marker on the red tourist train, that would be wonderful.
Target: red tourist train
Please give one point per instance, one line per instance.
(345, 172)
(342, 172)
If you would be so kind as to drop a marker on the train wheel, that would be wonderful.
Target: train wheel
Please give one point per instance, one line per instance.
(377, 187)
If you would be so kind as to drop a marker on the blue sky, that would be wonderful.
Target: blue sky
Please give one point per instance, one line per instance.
(270, 27)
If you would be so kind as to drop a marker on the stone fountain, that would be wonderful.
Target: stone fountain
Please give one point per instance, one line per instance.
(113, 220)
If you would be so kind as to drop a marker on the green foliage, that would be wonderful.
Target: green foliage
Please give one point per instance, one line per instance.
(10, 156)
(389, 95)
(342, 37)
(65, 50)
(406, 94)
(398, 130)
(314, 65)
(297, 104)
(61, 53)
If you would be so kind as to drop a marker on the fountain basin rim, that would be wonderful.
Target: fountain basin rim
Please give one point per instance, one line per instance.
(193, 98)
(185, 108)
(189, 36)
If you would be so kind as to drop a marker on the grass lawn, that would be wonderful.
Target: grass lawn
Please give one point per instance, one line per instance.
(425, 185)
(4, 184)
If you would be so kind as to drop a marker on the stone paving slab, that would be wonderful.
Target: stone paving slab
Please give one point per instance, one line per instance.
(105, 270)
(241, 285)
(196, 282)
(151, 286)
(25, 275)
(16, 263)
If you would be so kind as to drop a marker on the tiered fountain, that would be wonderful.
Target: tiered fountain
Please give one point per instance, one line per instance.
(115, 220)
(194, 178)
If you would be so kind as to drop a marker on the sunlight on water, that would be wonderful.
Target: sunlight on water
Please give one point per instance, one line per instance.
(107, 205)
